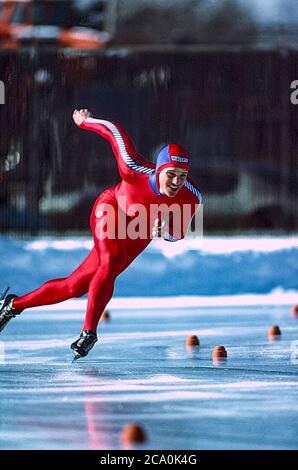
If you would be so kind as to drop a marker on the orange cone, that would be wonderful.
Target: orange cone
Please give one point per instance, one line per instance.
(294, 311)
(106, 316)
(219, 351)
(192, 340)
(274, 333)
(132, 433)
(219, 355)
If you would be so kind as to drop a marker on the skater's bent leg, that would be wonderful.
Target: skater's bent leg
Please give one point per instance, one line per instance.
(115, 256)
(58, 290)
(112, 263)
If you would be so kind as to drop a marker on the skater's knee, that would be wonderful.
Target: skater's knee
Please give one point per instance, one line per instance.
(77, 289)
(69, 287)
(113, 263)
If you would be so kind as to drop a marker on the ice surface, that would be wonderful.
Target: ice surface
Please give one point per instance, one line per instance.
(228, 291)
(141, 371)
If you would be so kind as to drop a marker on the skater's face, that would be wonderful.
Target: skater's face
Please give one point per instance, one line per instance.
(171, 181)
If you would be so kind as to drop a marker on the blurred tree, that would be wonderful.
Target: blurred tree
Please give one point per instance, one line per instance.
(190, 22)
(229, 23)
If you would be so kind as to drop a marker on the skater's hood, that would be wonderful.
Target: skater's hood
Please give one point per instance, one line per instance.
(173, 156)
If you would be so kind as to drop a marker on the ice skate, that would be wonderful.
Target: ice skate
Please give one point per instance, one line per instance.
(84, 344)
(7, 312)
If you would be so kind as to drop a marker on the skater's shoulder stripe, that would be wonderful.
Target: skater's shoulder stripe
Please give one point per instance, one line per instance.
(128, 159)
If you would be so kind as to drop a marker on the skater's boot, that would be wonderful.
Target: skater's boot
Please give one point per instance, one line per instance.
(84, 344)
(7, 312)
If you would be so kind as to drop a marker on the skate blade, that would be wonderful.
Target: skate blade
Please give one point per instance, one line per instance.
(3, 293)
(77, 356)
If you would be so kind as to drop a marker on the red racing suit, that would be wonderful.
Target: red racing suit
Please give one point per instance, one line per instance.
(112, 253)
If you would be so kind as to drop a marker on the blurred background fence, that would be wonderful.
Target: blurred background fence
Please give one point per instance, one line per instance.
(229, 105)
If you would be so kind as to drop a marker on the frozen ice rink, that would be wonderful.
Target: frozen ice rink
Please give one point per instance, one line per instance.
(141, 371)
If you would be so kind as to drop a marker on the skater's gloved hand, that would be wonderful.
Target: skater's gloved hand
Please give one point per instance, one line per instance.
(79, 116)
(158, 229)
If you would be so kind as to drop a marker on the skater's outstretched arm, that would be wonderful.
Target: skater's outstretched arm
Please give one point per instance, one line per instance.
(130, 163)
